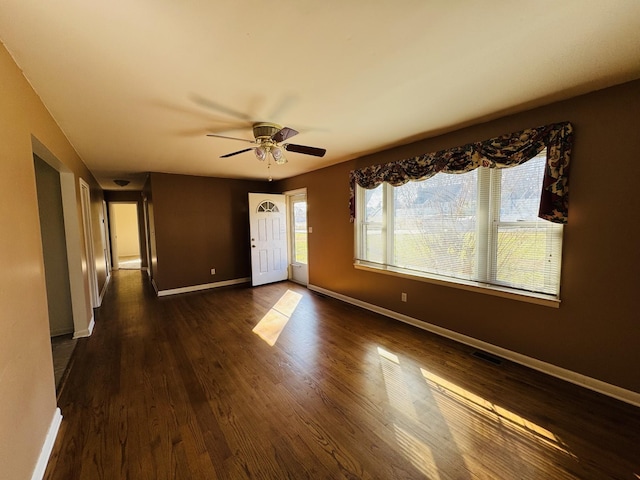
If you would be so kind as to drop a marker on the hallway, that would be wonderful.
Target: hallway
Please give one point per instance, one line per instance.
(277, 382)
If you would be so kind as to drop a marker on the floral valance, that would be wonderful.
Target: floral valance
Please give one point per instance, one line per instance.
(500, 152)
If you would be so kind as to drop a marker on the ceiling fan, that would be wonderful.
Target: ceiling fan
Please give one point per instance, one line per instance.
(268, 141)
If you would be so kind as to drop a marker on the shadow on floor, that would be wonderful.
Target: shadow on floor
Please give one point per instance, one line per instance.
(62, 348)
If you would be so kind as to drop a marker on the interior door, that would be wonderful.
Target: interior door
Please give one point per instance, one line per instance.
(268, 229)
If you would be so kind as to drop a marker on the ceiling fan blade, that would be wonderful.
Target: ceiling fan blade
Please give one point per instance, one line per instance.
(230, 138)
(316, 152)
(205, 102)
(285, 104)
(235, 153)
(284, 133)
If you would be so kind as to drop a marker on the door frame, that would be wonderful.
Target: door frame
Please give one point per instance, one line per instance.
(113, 231)
(83, 320)
(289, 195)
(106, 241)
(147, 235)
(85, 201)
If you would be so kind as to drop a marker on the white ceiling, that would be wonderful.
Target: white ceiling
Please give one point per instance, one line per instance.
(136, 84)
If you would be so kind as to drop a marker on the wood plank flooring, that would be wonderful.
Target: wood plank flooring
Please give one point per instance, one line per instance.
(276, 382)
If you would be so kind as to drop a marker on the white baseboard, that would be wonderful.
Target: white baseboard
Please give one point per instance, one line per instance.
(196, 288)
(47, 446)
(599, 386)
(87, 331)
(104, 288)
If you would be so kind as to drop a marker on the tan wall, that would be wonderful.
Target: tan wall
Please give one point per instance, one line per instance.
(27, 393)
(200, 223)
(596, 330)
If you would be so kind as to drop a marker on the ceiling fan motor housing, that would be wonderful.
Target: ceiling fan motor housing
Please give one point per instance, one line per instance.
(261, 130)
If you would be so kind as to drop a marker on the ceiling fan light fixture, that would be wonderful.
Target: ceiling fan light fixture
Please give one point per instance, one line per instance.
(261, 153)
(278, 155)
(268, 138)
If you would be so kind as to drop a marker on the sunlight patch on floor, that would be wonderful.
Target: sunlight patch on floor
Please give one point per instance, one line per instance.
(130, 263)
(397, 392)
(495, 413)
(417, 453)
(415, 450)
(272, 324)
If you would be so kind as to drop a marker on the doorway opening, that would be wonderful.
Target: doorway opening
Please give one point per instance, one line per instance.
(125, 236)
(279, 234)
(69, 308)
(298, 236)
(56, 266)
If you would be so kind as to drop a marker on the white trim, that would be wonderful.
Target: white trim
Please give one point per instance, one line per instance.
(47, 446)
(113, 238)
(155, 287)
(80, 303)
(469, 285)
(87, 332)
(205, 286)
(301, 270)
(599, 386)
(104, 288)
(297, 191)
(92, 276)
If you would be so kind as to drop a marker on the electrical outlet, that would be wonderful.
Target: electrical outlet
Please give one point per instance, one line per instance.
(403, 297)
(213, 271)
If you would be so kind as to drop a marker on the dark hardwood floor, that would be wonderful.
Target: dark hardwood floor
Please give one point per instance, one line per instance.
(276, 382)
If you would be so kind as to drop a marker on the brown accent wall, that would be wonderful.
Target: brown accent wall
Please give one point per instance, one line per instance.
(200, 223)
(27, 392)
(596, 330)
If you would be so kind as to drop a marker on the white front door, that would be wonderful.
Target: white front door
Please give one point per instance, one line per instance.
(268, 228)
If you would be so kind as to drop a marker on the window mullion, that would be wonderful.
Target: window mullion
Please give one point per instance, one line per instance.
(388, 224)
(553, 251)
(360, 237)
(495, 190)
(483, 225)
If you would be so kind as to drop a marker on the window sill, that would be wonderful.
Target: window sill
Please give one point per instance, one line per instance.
(536, 298)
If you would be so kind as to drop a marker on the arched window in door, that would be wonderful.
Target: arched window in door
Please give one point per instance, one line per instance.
(268, 207)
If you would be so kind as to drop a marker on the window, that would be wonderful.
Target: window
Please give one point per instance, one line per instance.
(478, 228)
(299, 222)
(268, 207)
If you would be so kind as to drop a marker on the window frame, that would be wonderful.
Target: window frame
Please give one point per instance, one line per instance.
(488, 224)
